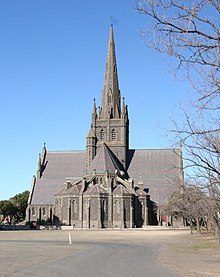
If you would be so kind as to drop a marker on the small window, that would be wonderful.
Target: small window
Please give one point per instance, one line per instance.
(115, 70)
(102, 134)
(117, 206)
(113, 134)
(44, 211)
(73, 206)
(33, 211)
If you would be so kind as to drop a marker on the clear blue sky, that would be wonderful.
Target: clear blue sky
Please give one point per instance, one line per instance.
(52, 63)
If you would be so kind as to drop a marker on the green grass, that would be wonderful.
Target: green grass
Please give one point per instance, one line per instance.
(201, 246)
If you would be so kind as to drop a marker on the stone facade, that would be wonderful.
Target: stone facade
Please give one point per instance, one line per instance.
(107, 185)
(104, 198)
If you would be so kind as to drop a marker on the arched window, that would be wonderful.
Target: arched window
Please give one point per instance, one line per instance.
(44, 211)
(115, 68)
(102, 134)
(113, 134)
(73, 206)
(117, 206)
(33, 211)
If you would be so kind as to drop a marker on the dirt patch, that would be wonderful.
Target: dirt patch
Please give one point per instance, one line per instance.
(192, 255)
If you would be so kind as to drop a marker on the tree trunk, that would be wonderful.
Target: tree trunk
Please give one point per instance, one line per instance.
(191, 226)
(198, 226)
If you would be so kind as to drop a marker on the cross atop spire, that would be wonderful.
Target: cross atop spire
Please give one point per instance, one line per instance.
(111, 99)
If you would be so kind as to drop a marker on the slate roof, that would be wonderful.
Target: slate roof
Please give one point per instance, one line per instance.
(58, 166)
(104, 161)
(121, 190)
(95, 190)
(74, 190)
(155, 168)
(64, 164)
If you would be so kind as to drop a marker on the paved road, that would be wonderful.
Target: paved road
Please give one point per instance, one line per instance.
(97, 259)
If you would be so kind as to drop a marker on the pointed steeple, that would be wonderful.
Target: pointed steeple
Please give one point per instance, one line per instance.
(91, 134)
(123, 105)
(111, 99)
(110, 122)
(94, 113)
(44, 153)
(39, 168)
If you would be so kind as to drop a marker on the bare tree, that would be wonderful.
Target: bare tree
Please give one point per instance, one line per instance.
(189, 30)
(196, 207)
(202, 162)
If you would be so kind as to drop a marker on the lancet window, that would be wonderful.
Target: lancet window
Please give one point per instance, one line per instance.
(102, 134)
(113, 134)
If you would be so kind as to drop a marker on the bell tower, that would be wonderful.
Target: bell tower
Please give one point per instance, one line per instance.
(110, 124)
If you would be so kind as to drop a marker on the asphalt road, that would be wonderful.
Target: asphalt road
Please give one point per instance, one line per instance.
(97, 258)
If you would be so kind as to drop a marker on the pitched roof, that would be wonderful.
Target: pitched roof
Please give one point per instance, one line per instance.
(58, 167)
(91, 133)
(157, 169)
(64, 164)
(73, 190)
(120, 189)
(45, 189)
(104, 161)
(95, 189)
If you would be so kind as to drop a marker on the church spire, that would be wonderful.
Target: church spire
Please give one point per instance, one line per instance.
(94, 113)
(110, 124)
(111, 102)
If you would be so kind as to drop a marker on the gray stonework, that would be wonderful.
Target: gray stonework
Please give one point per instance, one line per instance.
(100, 200)
(110, 123)
(107, 185)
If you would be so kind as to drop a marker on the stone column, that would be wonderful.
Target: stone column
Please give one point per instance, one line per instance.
(69, 212)
(145, 212)
(135, 210)
(39, 216)
(131, 213)
(122, 213)
(81, 211)
(110, 210)
(99, 213)
(88, 215)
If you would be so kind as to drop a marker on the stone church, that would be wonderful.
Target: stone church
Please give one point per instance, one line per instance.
(108, 185)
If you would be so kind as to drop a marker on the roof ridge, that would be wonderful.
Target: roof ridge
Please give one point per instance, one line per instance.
(152, 149)
(66, 151)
